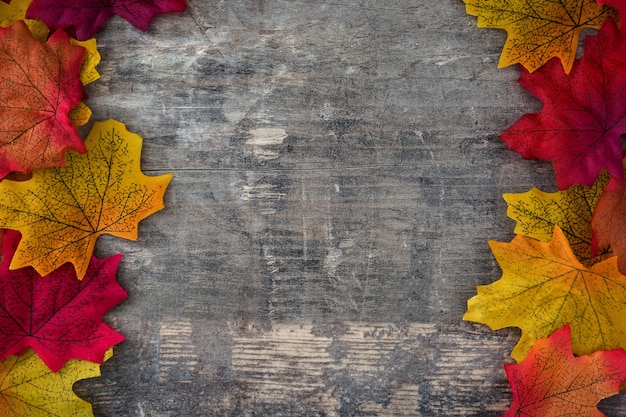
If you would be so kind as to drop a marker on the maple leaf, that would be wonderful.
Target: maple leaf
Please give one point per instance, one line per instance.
(88, 16)
(583, 117)
(16, 11)
(81, 114)
(538, 30)
(544, 287)
(11, 12)
(537, 212)
(551, 382)
(39, 85)
(61, 211)
(57, 315)
(609, 222)
(29, 388)
(88, 72)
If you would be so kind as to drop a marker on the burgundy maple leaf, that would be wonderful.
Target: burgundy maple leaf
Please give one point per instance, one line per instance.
(583, 117)
(88, 16)
(57, 315)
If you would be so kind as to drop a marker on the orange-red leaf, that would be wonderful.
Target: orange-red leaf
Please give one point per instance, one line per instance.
(609, 222)
(39, 85)
(62, 211)
(551, 382)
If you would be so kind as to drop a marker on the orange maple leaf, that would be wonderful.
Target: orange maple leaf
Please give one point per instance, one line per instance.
(609, 222)
(61, 211)
(544, 287)
(551, 382)
(39, 85)
(539, 30)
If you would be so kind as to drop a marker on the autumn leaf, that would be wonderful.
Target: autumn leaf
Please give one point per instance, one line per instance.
(39, 85)
(538, 30)
(551, 382)
(609, 223)
(88, 16)
(61, 211)
(583, 117)
(11, 12)
(57, 315)
(88, 72)
(81, 114)
(544, 287)
(16, 10)
(29, 388)
(537, 212)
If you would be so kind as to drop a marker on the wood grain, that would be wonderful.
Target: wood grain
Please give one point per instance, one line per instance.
(337, 174)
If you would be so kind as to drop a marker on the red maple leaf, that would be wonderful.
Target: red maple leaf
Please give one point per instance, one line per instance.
(583, 117)
(39, 85)
(551, 382)
(57, 315)
(88, 16)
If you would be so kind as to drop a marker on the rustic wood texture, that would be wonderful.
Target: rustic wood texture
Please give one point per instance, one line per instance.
(337, 174)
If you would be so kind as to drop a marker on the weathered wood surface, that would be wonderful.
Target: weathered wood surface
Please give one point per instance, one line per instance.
(337, 177)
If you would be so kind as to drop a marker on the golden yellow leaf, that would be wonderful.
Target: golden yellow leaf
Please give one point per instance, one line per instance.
(16, 10)
(543, 287)
(81, 113)
(539, 30)
(29, 388)
(61, 211)
(537, 212)
(88, 72)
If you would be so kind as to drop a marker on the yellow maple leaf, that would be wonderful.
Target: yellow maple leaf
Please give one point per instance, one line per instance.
(537, 212)
(81, 113)
(539, 30)
(88, 72)
(29, 388)
(16, 10)
(543, 287)
(61, 211)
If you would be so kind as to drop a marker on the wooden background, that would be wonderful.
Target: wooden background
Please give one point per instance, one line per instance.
(337, 174)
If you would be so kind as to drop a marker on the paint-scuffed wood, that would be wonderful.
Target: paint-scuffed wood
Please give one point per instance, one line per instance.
(337, 174)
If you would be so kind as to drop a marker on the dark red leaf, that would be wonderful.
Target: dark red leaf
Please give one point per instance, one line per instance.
(57, 315)
(88, 16)
(583, 117)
